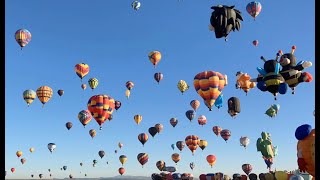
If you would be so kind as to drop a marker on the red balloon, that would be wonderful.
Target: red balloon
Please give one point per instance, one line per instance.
(13, 169)
(121, 171)
(255, 42)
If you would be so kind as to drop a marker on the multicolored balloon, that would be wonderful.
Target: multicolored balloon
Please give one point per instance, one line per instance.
(173, 122)
(129, 85)
(84, 117)
(217, 130)
(175, 157)
(128, 93)
(225, 134)
(143, 158)
(195, 104)
(255, 42)
(202, 120)
(92, 133)
(192, 141)
(209, 85)
(93, 83)
(44, 93)
(154, 57)
(23, 37)
(69, 125)
(158, 77)
(101, 107)
(82, 70)
(161, 165)
(137, 118)
(247, 168)
(117, 104)
(254, 8)
(143, 138)
(123, 159)
(29, 95)
(159, 127)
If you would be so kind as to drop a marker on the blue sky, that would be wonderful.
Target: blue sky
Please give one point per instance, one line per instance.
(115, 40)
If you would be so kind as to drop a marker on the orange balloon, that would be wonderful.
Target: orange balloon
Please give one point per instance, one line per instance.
(211, 159)
(306, 149)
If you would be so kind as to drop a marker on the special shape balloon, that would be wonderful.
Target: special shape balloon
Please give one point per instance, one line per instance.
(29, 95)
(23, 37)
(183, 86)
(136, 5)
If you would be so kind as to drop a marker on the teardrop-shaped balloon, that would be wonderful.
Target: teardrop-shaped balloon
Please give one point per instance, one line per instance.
(84, 117)
(190, 114)
(44, 94)
(23, 37)
(154, 57)
(175, 157)
(92, 133)
(158, 77)
(225, 134)
(137, 118)
(101, 153)
(217, 130)
(211, 159)
(60, 92)
(23, 160)
(83, 86)
(247, 168)
(254, 8)
(192, 141)
(161, 165)
(195, 104)
(19, 153)
(159, 127)
(69, 125)
(143, 138)
(173, 122)
(143, 158)
(93, 83)
(117, 104)
(129, 85)
(180, 145)
(153, 131)
(121, 171)
(255, 42)
(29, 95)
(123, 159)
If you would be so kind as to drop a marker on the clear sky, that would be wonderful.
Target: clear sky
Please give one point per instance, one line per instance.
(115, 41)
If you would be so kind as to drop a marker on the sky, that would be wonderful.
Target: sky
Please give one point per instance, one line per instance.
(114, 40)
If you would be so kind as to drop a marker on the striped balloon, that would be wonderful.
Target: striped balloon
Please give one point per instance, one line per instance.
(82, 70)
(161, 165)
(93, 83)
(117, 105)
(154, 57)
(203, 144)
(143, 158)
(254, 8)
(84, 117)
(173, 122)
(44, 94)
(247, 168)
(137, 118)
(101, 107)
(158, 77)
(159, 127)
(143, 138)
(92, 133)
(192, 141)
(225, 134)
(180, 145)
(29, 95)
(217, 130)
(195, 104)
(129, 85)
(209, 85)
(175, 157)
(23, 37)
(123, 159)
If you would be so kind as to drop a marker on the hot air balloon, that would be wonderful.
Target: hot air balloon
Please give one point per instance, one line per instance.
(247, 168)
(31, 150)
(233, 106)
(121, 171)
(211, 159)
(70, 176)
(29, 95)
(84, 86)
(23, 160)
(154, 57)
(243, 82)
(120, 145)
(254, 176)
(153, 131)
(158, 77)
(183, 86)
(202, 120)
(32, 175)
(225, 134)
(143, 158)
(92, 133)
(44, 93)
(40, 176)
(82, 70)
(69, 125)
(264, 145)
(93, 83)
(116, 151)
(254, 9)
(280, 175)
(180, 145)
(129, 85)
(159, 127)
(172, 146)
(203, 144)
(81, 164)
(273, 110)
(101, 153)
(244, 141)
(191, 165)
(122, 159)
(23, 37)
(209, 85)
(255, 42)
(192, 141)
(173, 122)
(128, 93)
(95, 161)
(143, 138)
(13, 169)
(175, 157)
(60, 92)
(101, 107)
(51, 147)
(224, 19)
(195, 104)
(190, 114)
(19, 154)
(49, 170)
(117, 105)
(161, 165)
(136, 5)
(217, 130)
(306, 148)
(137, 118)
(84, 117)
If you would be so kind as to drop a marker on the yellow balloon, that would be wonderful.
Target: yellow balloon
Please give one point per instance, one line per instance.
(183, 86)
(127, 93)
(269, 176)
(137, 118)
(281, 175)
(31, 150)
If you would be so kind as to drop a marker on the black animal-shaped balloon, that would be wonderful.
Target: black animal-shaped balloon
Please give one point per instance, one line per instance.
(291, 71)
(270, 78)
(224, 19)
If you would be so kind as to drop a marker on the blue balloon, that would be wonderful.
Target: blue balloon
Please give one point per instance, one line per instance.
(176, 176)
(218, 102)
(172, 146)
(190, 114)
(303, 131)
(262, 86)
